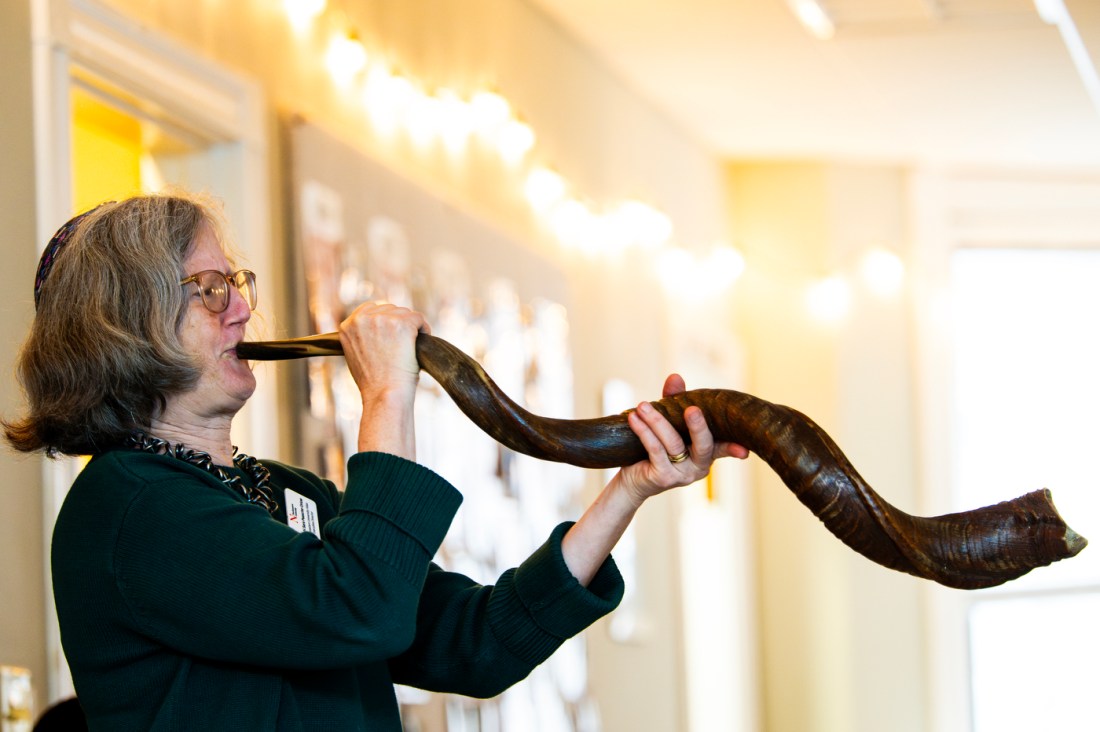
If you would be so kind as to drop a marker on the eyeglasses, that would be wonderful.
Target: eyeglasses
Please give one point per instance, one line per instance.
(214, 287)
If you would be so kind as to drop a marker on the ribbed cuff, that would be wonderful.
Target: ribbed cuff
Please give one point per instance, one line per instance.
(540, 604)
(409, 496)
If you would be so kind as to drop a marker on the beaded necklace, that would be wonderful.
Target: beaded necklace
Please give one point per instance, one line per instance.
(259, 492)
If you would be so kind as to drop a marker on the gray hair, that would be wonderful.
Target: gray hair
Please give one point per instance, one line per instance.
(103, 351)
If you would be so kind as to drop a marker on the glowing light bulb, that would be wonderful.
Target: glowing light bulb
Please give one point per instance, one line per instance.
(640, 224)
(883, 272)
(490, 112)
(345, 58)
(572, 222)
(543, 189)
(724, 266)
(386, 98)
(829, 299)
(423, 119)
(676, 269)
(303, 12)
(611, 233)
(515, 140)
(652, 227)
(454, 122)
(629, 220)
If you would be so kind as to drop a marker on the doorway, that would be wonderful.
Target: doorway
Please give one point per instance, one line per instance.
(119, 111)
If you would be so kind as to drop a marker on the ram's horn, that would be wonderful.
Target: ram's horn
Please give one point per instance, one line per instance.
(968, 550)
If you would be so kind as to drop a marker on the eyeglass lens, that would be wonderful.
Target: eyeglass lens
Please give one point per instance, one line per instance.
(214, 288)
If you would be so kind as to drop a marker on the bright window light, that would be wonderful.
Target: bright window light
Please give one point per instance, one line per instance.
(1053, 682)
(1025, 360)
(1024, 408)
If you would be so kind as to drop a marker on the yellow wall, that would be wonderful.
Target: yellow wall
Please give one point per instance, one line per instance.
(106, 153)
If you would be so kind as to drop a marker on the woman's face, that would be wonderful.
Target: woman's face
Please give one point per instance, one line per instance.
(211, 338)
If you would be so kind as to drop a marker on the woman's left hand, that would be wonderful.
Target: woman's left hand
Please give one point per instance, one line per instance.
(671, 463)
(586, 545)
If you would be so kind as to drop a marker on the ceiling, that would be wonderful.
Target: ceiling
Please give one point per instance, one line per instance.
(956, 82)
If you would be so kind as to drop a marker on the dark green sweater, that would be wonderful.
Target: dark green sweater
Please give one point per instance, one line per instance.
(182, 607)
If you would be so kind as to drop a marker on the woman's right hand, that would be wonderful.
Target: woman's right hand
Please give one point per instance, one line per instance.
(379, 342)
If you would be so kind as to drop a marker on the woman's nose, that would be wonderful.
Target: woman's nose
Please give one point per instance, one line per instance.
(238, 309)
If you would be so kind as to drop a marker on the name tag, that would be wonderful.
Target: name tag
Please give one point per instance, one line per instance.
(301, 513)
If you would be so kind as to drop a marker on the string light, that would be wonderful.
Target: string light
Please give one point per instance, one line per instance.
(303, 12)
(642, 224)
(515, 140)
(675, 266)
(543, 189)
(345, 58)
(572, 222)
(726, 264)
(455, 121)
(610, 236)
(707, 276)
(387, 98)
(489, 111)
(423, 119)
(829, 299)
(883, 272)
(394, 103)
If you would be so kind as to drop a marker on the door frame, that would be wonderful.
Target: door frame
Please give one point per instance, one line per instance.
(152, 76)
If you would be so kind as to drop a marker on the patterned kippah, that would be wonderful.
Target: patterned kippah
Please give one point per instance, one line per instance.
(53, 249)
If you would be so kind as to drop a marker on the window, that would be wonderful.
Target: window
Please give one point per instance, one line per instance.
(1025, 345)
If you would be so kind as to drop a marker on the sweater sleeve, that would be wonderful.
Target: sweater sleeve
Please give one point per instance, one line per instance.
(479, 640)
(203, 573)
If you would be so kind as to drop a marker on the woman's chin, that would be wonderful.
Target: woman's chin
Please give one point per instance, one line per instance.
(239, 382)
(247, 387)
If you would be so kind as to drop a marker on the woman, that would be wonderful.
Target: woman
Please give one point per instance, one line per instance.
(185, 600)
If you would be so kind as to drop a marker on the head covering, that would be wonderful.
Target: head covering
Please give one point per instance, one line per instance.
(53, 249)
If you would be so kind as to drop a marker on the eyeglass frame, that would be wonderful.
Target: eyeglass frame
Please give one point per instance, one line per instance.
(230, 279)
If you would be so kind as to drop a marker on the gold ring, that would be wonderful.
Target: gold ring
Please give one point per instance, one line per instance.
(678, 458)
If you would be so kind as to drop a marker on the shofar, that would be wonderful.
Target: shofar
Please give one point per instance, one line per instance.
(967, 550)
